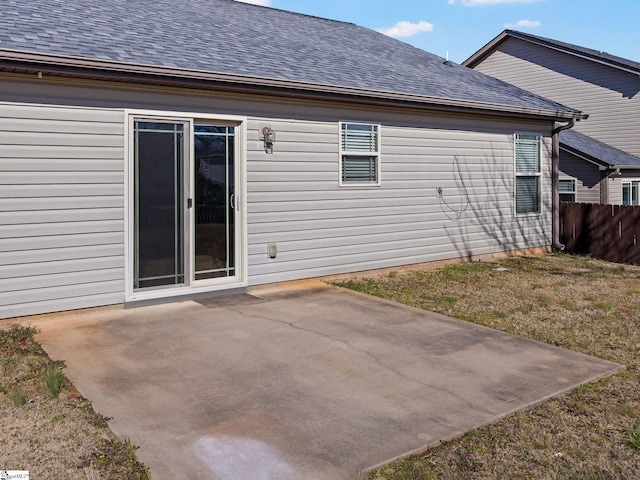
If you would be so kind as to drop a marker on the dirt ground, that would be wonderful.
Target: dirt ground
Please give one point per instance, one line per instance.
(573, 302)
(47, 427)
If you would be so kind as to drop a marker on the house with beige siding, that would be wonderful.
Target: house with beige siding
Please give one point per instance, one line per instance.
(150, 152)
(600, 156)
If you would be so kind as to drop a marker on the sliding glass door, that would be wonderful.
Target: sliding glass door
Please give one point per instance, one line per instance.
(184, 226)
(214, 202)
(159, 210)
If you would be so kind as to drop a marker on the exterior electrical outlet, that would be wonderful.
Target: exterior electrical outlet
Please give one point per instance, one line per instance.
(144, 177)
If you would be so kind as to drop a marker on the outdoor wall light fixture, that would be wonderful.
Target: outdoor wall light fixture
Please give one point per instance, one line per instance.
(269, 138)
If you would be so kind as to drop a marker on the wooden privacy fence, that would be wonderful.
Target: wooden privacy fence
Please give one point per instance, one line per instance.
(609, 232)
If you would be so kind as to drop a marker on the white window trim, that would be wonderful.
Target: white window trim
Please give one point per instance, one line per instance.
(201, 286)
(630, 181)
(575, 187)
(538, 174)
(377, 154)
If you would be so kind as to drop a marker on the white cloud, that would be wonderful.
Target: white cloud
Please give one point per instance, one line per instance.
(406, 29)
(475, 3)
(523, 23)
(264, 3)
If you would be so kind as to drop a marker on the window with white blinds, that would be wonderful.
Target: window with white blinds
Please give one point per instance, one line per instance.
(528, 173)
(567, 189)
(359, 154)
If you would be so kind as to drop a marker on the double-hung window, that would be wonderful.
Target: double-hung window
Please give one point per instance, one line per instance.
(630, 190)
(528, 173)
(567, 189)
(359, 154)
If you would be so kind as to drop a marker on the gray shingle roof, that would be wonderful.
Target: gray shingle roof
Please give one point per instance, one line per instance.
(224, 36)
(596, 151)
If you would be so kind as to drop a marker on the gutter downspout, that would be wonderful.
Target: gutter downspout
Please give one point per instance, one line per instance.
(555, 175)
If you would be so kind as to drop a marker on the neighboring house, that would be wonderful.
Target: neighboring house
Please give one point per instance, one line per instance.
(603, 164)
(150, 151)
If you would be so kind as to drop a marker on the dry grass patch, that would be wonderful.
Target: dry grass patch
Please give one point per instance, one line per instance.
(577, 303)
(48, 428)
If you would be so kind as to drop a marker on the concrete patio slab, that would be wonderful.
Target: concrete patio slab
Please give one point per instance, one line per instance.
(314, 382)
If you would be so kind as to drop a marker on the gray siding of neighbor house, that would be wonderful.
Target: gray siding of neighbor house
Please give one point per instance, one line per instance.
(610, 96)
(587, 177)
(63, 189)
(615, 185)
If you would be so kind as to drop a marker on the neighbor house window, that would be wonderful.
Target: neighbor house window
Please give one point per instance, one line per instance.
(359, 154)
(528, 173)
(567, 189)
(630, 192)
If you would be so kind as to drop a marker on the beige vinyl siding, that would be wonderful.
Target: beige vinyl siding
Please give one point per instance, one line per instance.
(322, 229)
(587, 177)
(64, 194)
(61, 208)
(610, 96)
(615, 184)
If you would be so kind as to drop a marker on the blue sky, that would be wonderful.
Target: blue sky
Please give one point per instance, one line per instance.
(463, 26)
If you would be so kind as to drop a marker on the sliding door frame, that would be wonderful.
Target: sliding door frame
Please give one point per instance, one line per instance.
(239, 280)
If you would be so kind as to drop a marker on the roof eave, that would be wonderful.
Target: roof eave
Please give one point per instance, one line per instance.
(477, 57)
(601, 164)
(625, 167)
(474, 59)
(80, 67)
